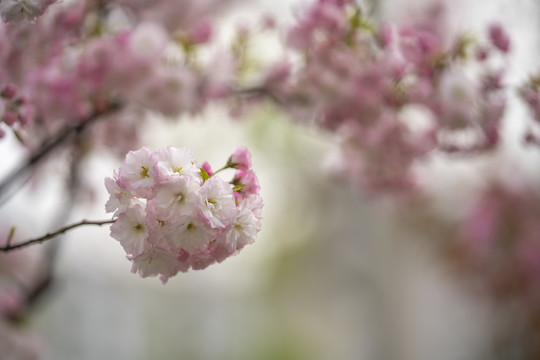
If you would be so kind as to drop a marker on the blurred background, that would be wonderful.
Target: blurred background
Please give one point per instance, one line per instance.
(332, 274)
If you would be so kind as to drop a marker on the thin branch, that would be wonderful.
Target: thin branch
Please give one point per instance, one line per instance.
(260, 91)
(50, 144)
(52, 235)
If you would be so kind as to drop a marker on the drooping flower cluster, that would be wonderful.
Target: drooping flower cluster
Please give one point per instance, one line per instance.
(173, 215)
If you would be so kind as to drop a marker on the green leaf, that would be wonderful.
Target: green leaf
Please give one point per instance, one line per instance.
(204, 175)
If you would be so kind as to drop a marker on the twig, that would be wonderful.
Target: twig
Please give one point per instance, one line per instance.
(261, 91)
(49, 236)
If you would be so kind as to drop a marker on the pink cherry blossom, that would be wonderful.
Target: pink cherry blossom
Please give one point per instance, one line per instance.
(169, 218)
(246, 183)
(174, 162)
(191, 234)
(244, 230)
(9, 91)
(499, 38)
(240, 159)
(156, 261)
(170, 91)
(201, 32)
(130, 229)
(177, 197)
(218, 207)
(119, 199)
(137, 174)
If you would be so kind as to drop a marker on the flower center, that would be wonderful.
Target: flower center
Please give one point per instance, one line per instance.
(179, 197)
(144, 172)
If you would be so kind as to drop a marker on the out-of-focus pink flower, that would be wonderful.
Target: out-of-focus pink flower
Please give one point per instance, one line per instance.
(500, 240)
(9, 91)
(201, 32)
(499, 38)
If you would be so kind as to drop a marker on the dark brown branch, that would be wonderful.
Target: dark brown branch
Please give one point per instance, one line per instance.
(52, 235)
(52, 143)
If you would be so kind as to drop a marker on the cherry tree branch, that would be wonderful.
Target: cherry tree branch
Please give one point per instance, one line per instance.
(260, 91)
(48, 236)
(50, 144)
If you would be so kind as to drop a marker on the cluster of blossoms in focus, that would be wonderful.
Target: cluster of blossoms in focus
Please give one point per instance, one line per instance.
(173, 214)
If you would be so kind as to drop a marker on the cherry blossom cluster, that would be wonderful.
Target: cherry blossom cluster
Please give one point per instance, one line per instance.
(80, 56)
(408, 85)
(499, 243)
(173, 214)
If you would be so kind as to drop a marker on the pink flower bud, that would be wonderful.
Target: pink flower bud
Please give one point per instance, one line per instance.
(268, 22)
(499, 38)
(240, 159)
(208, 168)
(9, 91)
(482, 54)
(201, 32)
(10, 118)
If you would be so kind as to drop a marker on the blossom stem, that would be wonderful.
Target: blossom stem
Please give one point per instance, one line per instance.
(228, 166)
(48, 236)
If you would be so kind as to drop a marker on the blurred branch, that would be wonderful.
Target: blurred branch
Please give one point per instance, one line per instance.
(45, 280)
(260, 91)
(52, 235)
(50, 144)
